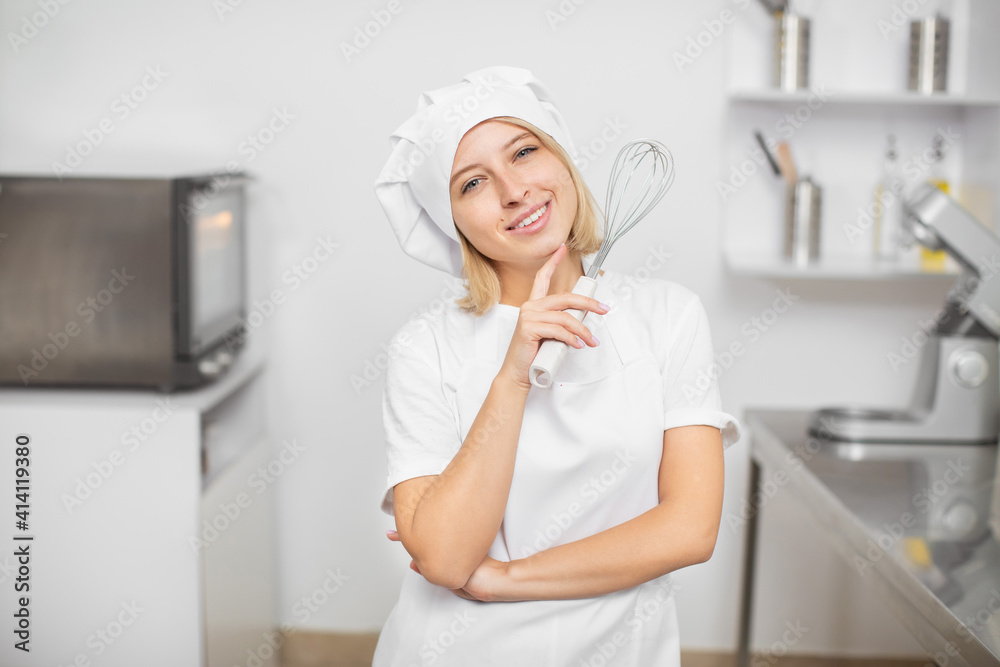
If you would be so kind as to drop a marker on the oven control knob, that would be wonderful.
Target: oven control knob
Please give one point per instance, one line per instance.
(969, 368)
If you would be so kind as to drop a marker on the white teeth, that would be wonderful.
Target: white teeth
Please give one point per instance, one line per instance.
(530, 219)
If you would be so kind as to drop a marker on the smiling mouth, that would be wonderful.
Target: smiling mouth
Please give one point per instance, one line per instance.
(531, 218)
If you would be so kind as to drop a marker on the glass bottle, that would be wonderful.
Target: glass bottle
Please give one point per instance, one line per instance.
(934, 260)
(886, 206)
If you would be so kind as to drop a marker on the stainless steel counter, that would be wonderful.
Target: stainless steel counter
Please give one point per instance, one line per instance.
(911, 519)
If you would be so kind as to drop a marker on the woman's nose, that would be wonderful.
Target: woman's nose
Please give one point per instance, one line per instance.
(511, 189)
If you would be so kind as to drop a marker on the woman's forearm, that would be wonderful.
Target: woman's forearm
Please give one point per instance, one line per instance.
(659, 541)
(459, 514)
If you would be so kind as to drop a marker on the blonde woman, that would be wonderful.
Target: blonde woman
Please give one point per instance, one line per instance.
(543, 525)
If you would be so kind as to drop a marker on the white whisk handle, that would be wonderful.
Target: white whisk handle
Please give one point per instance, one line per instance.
(552, 351)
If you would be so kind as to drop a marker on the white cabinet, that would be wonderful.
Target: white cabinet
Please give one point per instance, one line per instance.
(117, 501)
(837, 130)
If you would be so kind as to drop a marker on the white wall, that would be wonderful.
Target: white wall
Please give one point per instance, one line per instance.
(607, 61)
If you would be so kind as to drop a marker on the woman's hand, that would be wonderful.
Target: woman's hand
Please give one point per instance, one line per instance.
(485, 584)
(543, 316)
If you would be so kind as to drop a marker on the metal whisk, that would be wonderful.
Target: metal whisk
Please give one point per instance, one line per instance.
(642, 174)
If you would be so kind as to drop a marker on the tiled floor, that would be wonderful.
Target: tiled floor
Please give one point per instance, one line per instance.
(305, 649)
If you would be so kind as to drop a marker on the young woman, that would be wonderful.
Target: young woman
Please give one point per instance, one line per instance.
(542, 524)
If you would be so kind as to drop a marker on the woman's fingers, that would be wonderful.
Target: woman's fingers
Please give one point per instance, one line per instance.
(394, 536)
(541, 285)
(545, 316)
(568, 300)
(569, 334)
(460, 592)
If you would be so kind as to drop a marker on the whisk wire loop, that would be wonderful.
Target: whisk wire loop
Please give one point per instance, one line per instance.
(654, 165)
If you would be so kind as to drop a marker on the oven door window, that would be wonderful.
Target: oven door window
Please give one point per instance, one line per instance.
(216, 268)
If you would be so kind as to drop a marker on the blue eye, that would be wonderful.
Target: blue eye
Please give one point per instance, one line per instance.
(468, 186)
(524, 151)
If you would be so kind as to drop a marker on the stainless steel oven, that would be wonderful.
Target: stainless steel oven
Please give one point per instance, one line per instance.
(121, 281)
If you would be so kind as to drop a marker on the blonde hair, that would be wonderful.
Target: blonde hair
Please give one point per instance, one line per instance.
(480, 277)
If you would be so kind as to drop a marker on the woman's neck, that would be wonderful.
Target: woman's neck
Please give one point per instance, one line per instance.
(516, 282)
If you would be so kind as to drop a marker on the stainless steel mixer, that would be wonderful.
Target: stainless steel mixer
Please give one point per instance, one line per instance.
(957, 396)
(955, 406)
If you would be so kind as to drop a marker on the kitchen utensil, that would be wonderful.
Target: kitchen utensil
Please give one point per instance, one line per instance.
(767, 153)
(929, 55)
(792, 51)
(642, 173)
(887, 204)
(802, 218)
(787, 164)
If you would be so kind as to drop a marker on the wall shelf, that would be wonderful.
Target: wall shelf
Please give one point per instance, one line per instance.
(831, 268)
(841, 97)
(840, 142)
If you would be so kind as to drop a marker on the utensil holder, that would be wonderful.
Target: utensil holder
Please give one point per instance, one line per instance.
(802, 221)
(929, 55)
(792, 51)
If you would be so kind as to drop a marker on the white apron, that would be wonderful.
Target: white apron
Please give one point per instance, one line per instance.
(587, 459)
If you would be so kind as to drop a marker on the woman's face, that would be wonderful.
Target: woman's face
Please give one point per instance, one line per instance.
(502, 177)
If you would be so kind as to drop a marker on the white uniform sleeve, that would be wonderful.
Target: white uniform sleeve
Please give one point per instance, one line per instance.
(690, 384)
(421, 433)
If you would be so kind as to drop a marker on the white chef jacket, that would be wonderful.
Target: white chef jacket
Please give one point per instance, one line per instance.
(588, 459)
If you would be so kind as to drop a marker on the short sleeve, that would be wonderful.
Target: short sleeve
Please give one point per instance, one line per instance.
(690, 377)
(421, 432)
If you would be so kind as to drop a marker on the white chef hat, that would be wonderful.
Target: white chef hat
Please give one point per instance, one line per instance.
(413, 185)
